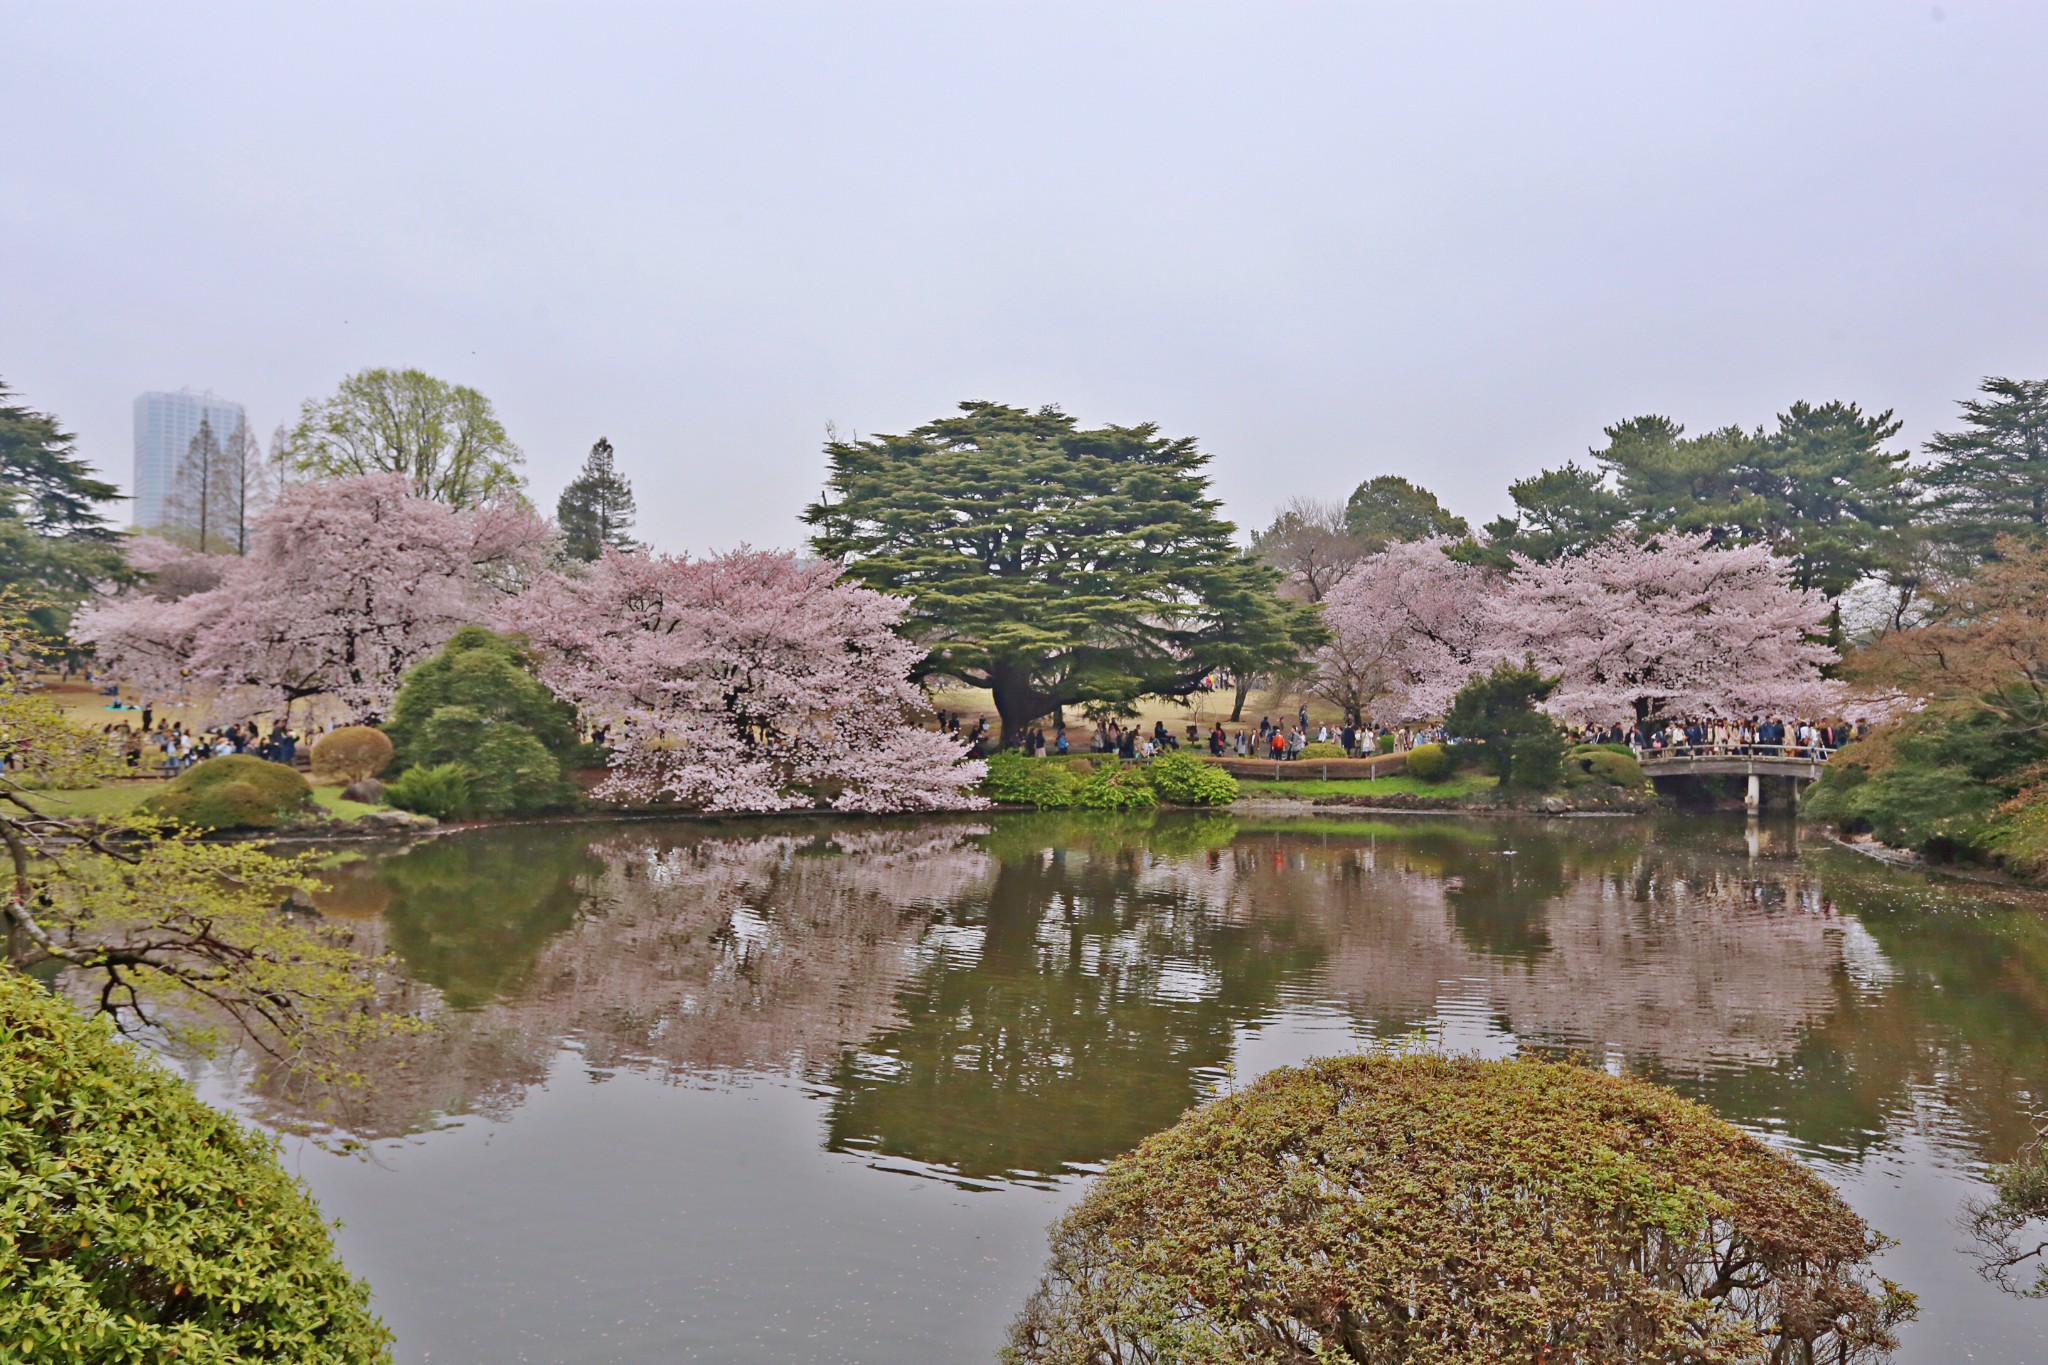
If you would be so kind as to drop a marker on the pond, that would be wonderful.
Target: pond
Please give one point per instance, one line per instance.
(809, 1091)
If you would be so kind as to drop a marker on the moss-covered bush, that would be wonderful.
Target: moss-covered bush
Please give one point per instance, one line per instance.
(234, 791)
(1601, 763)
(142, 1225)
(1185, 780)
(1429, 763)
(444, 791)
(352, 753)
(1432, 1209)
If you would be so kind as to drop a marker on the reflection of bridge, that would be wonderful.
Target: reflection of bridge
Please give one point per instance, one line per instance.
(1795, 762)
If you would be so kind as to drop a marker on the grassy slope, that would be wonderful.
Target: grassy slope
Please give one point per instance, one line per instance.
(118, 798)
(1458, 784)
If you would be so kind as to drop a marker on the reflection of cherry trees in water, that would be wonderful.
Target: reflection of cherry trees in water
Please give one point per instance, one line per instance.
(1038, 994)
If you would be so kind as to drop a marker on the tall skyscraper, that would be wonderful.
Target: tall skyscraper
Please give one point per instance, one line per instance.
(165, 424)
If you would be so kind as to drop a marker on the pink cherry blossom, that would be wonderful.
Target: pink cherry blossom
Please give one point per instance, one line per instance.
(1408, 627)
(744, 681)
(348, 583)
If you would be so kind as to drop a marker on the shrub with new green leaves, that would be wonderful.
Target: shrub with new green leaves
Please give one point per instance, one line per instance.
(1409, 1208)
(444, 791)
(234, 791)
(142, 1225)
(1322, 751)
(1429, 763)
(1184, 780)
(1015, 780)
(352, 753)
(1114, 790)
(1386, 744)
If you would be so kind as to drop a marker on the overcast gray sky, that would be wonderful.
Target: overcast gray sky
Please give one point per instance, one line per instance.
(1450, 241)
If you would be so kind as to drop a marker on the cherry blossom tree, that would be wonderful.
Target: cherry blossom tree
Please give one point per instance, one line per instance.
(1675, 627)
(347, 584)
(1408, 626)
(745, 681)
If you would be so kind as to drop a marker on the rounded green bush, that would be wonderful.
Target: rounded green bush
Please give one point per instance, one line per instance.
(1181, 779)
(352, 753)
(1386, 744)
(1603, 763)
(1113, 791)
(142, 1225)
(1322, 751)
(1411, 1208)
(445, 791)
(1429, 763)
(234, 791)
(1016, 780)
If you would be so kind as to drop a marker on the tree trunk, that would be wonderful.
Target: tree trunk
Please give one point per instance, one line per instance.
(1017, 702)
(1244, 689)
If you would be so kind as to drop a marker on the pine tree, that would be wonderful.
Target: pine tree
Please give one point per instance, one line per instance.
(596, 509)
(1992, 478)
(55, 546)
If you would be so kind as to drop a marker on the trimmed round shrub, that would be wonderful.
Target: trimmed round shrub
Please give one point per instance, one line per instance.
(1429, 763)
(1603, 763)
(234, 791)
(1386, 744)
(1322, 751)
(1411, 1208)
(142, 1224)
(442, 790)
(1184, 780)
(352, 753)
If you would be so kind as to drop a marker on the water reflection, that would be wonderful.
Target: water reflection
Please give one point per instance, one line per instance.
(1029, 997)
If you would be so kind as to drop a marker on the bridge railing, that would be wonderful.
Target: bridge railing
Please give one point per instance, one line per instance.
(1802, 753)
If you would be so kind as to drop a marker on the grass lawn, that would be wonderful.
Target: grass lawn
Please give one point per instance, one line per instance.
(118, 798)
(328, 799)
(1457, 784)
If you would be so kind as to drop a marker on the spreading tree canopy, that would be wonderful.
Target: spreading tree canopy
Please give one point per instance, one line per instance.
(1991, 478)
(443, 437)
(1053, 564)
(596, 509)
(1390, 508)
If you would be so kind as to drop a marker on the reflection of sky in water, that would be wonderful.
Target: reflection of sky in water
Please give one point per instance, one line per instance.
(993, 1011)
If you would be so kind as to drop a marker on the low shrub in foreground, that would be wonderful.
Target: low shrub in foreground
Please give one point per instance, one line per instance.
(444, 791)
(1429, 763)
(1114, 790)
(1423, 1208)
(234, 791)
(1609, 763)
(142, 1225)
(1321, 749)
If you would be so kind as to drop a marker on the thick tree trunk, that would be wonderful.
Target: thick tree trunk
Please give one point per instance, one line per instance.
(1244, 689)
(1017, 703)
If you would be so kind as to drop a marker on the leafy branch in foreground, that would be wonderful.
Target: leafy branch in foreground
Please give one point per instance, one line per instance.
(2012, 1228)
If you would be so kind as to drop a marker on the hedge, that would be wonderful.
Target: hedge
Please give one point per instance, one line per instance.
(234, 791)
(139, 1225)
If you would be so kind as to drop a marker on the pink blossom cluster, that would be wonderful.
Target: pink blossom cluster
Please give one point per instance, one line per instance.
(348, 584)
(1672, 627)
(744, 681)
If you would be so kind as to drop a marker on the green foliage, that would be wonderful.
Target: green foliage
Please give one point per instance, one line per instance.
(478, 704)
(1558, 512)
(55, 546)
(1016, 780)
(143, 1225)
(1390, 508)
(1386, 744)
(1601, 763)
(234, 791)
(1322, 751)
(1524, 747)
(1949, 782)
(1407, 1208)
(1185, 780)
(596, 510)
(2001, 1224)
(352, 753)
(1055, 565)
(445, 791)
(1991, 478)
(1116, 790)
(1429, 763)
(443, 437)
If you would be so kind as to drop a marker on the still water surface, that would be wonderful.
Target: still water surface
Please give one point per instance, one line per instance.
(811, 1092)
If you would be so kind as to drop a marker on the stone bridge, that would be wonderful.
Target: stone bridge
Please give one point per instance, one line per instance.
(1796, 763)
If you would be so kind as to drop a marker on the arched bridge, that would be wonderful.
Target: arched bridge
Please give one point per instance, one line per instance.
(1799, 763)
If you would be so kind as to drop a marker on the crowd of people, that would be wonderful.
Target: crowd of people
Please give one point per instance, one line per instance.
(169, 747)
(1759, 735)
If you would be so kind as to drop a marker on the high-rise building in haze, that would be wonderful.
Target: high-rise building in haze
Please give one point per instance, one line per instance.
(165, 424)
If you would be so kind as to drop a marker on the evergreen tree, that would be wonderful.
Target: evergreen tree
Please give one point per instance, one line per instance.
(1052, 564)
(596, 509)
(1557, 512)
(1390, 508)
(1991, 478)
(54, 543)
